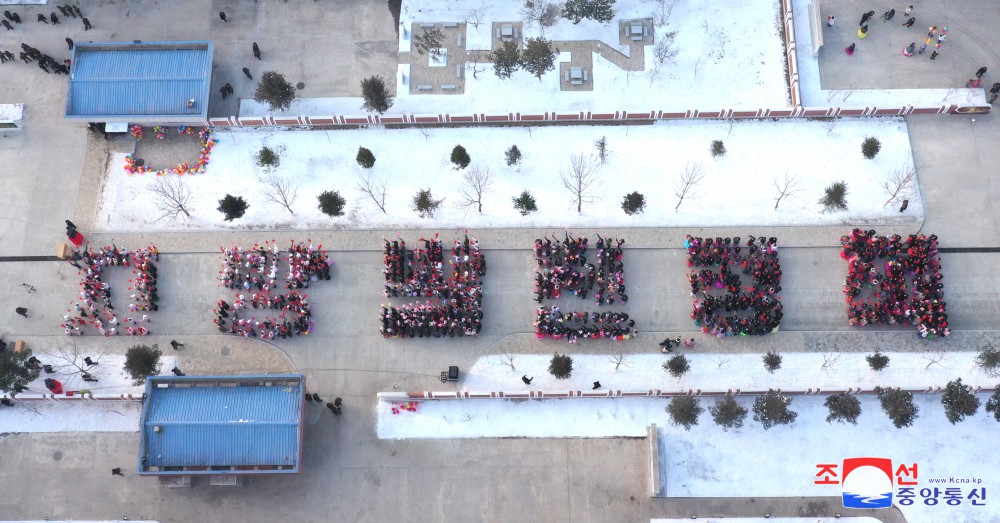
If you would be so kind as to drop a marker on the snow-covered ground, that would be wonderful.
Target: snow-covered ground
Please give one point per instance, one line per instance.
(737, 189)
(732, 52)
(708, 462)
(715, 372)
(82, 415)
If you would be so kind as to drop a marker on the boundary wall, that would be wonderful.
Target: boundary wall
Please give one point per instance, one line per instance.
(651, 393)
(791, 76)
(74, 396)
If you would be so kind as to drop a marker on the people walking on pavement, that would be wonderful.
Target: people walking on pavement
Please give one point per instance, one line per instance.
(22, 311)
(981, 72)
(526, 379)
(909, 22)
(86, 25)
(866, 17)
(256, 51)
(69, 43)
(247, 73)
(176, 344)
(849, 49)
(222, 16)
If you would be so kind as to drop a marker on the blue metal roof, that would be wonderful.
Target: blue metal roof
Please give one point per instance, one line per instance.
(222, 421)
(150, 79)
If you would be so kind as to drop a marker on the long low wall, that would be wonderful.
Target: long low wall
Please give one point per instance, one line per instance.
(652, 393)
(587, 116)
(73, 396)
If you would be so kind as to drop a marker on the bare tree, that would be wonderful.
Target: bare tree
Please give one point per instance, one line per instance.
(472, 64)
(426, 133)
(581, 181)
(897, 184)
(475, 182)
(620, 355)
(68, 360)
(830, 124)
(666, 9)
(507, 359)
(374, 188)
(785, 189)
(934, 359)
(541, 12)
(665, 50)
(476, 15)
(171, 196)
(721, 360)
(684, 186)
(280, 190)
(829, 360)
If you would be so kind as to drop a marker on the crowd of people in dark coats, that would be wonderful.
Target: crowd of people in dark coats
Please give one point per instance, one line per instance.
(562, 267)
(95, 308)
(550, 322)
(455, 308)
(255, 272)
(723, 306)
(879, 267)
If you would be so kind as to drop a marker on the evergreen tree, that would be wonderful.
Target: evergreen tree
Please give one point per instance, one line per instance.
(772, 409)
(988, 360)
(141, 362)
(275, 91)
(506, 59)
(538, 57)
(365, 158)
(599, 10)
(843, 407)
(233, 207)
(376, 95)
(14, 372)
(425, 204)
(772, 361)
(561, 366)
(331, 203)
(684, 411)
(898, 405)
(677, 365)
(267, 158)
(870, 147)
(634, 203)
(460, 157)
(728, 413)
(525, 203)
(718, 148)
(959, 401)
(877, 361)
(834, 197)
(993, 404)
(513, 155)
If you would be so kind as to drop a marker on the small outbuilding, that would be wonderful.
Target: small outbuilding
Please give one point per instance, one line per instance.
(145, 83)
(219, 425)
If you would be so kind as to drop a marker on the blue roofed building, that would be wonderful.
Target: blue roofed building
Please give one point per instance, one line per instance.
(222, 425)
(147, 83)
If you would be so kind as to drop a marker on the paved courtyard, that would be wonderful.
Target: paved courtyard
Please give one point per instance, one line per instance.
(52, 172)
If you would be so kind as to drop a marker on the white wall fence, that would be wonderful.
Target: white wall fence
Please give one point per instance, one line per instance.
(73, 396)
(651, 393)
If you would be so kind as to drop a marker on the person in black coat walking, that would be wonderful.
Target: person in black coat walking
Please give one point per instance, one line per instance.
(86, 25)
(526, 379)
(222, 16)
(54, 18)
(981, 72)
(247, 72)
(22, 311)
(69, 43)
(865, 17)
(256, 51)
(41, 18)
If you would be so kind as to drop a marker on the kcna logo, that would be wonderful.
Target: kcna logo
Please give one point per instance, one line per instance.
(865, 482)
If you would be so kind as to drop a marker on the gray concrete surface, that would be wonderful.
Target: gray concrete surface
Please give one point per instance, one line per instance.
(349, 475)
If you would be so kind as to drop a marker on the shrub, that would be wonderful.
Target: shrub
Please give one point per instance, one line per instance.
(877, 361)
(599, 10)
(870, 147)
(561, 366)
(525, 203)
(677, 365)
(602, 150)
(141, 362)
(634, 203)
(233, 207)
(772, 361)
(718, 148)
(513, 155)
(993, 404)
(460, 157)
(267, 158)
(365, 158)
(728, 413)
(425, 204)
(538, 56)
(834, 197)
(898, 405)
(684, 411)
(988, 359)
(331, 203)
(843, 407)
(275, 91)
(959, 401)
(772, 409)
